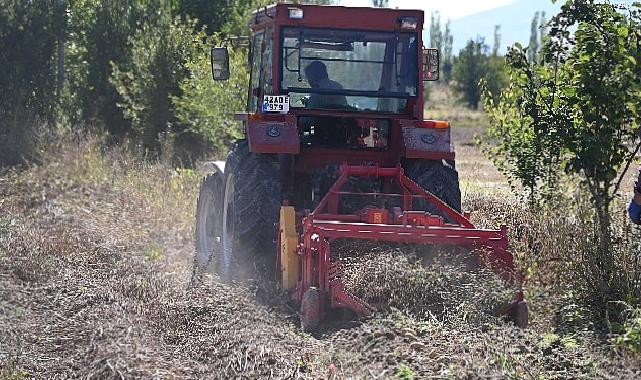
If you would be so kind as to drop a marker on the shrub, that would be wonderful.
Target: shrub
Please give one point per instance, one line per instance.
(28, 73)
(206, 108)
(575, 117)
(160, 55)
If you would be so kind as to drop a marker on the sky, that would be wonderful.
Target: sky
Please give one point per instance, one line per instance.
(452, 9)
(477, 18)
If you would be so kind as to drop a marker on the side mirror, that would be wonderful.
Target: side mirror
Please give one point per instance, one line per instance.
(430, 64)
(220, 63)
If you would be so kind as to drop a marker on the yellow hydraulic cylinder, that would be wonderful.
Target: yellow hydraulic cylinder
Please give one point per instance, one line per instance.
(288, 245)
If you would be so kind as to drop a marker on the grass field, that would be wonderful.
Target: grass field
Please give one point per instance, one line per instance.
(96, 282)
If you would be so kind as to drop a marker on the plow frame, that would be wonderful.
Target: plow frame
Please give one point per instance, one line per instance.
(318, 229)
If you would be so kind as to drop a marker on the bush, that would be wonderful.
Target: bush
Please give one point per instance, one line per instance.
(160, 55)
(575, 117)
(206, 108)
(28, 73)
(473, 65)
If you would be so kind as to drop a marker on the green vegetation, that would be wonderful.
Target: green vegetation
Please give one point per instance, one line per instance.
(475, 64)
(404, 372)
(573, 119)
(28, 38)
(121, 67)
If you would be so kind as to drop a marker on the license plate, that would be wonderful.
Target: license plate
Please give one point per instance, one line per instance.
(276, 103)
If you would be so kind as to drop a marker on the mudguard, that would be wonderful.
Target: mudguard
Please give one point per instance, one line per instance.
(428, 143)
(273, 137)
(211, 167)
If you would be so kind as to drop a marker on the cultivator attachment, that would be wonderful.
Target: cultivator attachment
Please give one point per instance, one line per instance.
(314, 277)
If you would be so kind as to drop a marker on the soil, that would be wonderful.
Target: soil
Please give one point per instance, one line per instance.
(96, 284)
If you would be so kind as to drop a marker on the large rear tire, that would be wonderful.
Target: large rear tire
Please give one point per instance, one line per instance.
(439, 178)
(250, 211)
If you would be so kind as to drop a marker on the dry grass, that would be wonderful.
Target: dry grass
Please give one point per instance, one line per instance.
(95, 282)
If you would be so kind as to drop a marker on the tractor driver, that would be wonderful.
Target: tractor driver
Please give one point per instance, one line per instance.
(317, 77)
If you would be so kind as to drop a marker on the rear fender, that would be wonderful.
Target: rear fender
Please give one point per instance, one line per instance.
(428, 143)
(273, 136)
(214, 167)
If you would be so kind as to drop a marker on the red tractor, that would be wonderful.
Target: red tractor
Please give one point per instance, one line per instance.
(336, 147)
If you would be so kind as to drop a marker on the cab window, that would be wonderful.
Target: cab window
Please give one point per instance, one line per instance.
(254, 82)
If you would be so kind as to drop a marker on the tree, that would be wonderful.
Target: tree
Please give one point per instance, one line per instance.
(436, 35)
(543, 29)
(538, 34)
(226, 17)
(29, 36)
(469, 68)
(448, 42)
(526, 151)
(577, 111)
(160, 57)
(206, 109)
(98, 37)
(497, 41)
(315, 2)
(533, 47)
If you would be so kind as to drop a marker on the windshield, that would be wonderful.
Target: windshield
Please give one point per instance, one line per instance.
(350, 70)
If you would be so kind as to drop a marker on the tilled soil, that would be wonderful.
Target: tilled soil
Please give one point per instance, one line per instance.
(96, 284)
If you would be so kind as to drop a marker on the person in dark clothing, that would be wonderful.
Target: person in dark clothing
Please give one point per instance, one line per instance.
(634, 208)
(317, 77)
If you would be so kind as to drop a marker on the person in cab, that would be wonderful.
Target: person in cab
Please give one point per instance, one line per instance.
(317, 77)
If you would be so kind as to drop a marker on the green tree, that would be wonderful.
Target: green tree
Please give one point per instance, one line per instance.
(29, 35)
(533, 47)
(580, 111)
(496, 48)
(448, 42)
(315, 2)
(470, 67)
(538, 34)
(227, 17)
(206, 108)
(98, 39)
(524, 147)
(436, 34)
(160, 55)
(543, 29)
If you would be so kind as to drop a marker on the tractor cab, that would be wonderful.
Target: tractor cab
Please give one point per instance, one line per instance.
(345, 78)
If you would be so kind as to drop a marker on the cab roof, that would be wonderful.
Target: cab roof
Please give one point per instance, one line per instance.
(329, 16)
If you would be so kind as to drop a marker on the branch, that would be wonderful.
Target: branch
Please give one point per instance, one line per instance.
(627, 166)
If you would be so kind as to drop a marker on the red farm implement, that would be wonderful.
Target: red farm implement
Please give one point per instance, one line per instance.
(305, 262)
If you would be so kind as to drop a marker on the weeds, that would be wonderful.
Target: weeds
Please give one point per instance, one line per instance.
(628, 335)
(106, 235)
(404, 372)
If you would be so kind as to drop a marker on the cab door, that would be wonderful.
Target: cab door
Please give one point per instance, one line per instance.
(260, 82)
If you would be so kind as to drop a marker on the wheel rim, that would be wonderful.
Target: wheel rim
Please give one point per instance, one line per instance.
(208, 233)
(228, 230)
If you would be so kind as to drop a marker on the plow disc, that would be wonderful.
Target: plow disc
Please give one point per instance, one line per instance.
(307, 268)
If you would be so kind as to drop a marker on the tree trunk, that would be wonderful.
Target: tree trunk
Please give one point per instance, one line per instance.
(61, 47)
